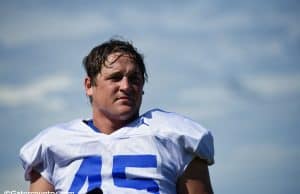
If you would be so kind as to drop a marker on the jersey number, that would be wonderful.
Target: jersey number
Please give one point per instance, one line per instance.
(90, 169)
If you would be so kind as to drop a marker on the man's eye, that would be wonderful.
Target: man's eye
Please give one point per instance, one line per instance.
(135, 79)
(116, 78)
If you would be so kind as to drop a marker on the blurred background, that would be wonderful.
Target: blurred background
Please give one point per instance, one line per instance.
(233, 66)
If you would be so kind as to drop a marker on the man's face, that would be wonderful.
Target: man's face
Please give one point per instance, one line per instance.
(118, 91)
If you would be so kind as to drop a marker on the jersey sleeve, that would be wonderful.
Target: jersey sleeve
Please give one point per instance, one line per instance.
(35, 156)
(195, 139)
(191, 137)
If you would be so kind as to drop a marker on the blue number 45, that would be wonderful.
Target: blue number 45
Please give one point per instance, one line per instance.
(90, 169)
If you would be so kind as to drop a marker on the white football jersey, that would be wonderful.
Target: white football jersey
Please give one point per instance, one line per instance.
(146, 156)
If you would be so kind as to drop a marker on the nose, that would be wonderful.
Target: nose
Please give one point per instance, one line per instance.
(125, 84)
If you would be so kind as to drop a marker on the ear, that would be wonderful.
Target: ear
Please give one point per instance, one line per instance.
(88, 86)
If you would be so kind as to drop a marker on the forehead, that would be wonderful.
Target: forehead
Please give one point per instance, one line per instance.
(120, 60)
(115, 56)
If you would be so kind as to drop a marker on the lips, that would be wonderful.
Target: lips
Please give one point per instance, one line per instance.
(125, 99)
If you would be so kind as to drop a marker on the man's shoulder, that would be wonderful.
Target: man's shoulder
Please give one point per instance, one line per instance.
(163, 115)
(171, 120)
(56, 135)
(157, 113)
(68, 125)
(61, 128)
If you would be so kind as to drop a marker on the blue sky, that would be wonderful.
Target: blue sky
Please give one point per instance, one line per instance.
(233, 66)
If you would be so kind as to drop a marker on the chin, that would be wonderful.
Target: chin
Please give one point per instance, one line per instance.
(128, 113)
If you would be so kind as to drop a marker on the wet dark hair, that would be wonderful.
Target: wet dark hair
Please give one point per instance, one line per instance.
(97, 57)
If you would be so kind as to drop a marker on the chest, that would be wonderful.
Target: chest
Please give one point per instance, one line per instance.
(139, 164)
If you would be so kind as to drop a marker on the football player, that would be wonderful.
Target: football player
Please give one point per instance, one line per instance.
(118, 150)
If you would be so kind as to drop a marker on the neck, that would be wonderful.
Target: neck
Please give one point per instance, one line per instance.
(107, 124)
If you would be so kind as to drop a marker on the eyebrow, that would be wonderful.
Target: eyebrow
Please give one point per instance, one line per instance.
(137, 74)
(114, 73)
(135, 71)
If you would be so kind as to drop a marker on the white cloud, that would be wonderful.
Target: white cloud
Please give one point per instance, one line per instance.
(272, 85)
(213, 101)
(36, 92)
(204, 94)
(28, 27)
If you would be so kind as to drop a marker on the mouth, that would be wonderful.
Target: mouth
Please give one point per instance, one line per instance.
(124, 99)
